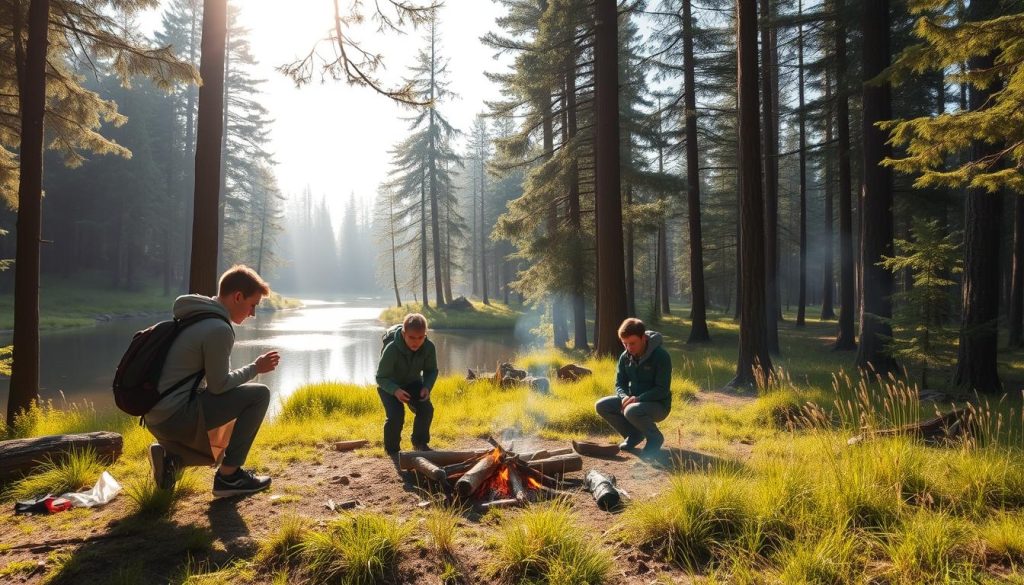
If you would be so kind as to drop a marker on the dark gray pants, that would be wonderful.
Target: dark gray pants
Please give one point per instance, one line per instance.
(394, 417)
(185, 432)
(639, 418)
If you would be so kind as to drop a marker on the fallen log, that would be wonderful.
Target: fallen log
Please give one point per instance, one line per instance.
(595, 449)
(350, 445)
(436, 457)
(471, 481)
(562, 451)
(953, 424)
(558, 464)
(20, 456)
(428, 469)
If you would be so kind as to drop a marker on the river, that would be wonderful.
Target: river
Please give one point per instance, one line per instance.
(323, 341)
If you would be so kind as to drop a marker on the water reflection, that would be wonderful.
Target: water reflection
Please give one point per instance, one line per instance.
(332, 341)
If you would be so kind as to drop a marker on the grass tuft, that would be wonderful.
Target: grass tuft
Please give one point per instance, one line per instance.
(545, 545)
(358, 549)
(77, 469)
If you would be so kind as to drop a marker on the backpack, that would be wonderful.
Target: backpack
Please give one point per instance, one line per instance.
(137, 377)
(390, 335)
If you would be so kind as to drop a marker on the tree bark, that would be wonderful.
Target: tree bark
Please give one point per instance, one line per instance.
(222, 190)
(24, 385)
(976, 367)
(483, 229)
(560, 329)
(877, 219)
(801, 307)
(1016, 316)
(579, 307)
(698, 293)
(771, 179)
(828, 284)
(610, 261)
(846, 337)
(203, 272)
(753, 338)
(423, 241)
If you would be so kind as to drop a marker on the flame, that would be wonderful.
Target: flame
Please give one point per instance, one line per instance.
(533, 483)
(503, 474)
(496, 454)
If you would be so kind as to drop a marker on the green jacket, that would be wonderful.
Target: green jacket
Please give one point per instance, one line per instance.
(399, 365)
(649, 378)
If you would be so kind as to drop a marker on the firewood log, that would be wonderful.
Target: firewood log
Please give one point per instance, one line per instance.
(428, 469)
(471, 481)
(19, 456)
(436, 457)
(558, 464)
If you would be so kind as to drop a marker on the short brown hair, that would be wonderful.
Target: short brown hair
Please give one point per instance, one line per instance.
(414, 322)
(631, 327)
(241, 278)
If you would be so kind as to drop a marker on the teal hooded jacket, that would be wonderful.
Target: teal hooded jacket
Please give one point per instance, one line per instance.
(648, 377)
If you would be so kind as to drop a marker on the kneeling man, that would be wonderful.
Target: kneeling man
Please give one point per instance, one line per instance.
(643, 395)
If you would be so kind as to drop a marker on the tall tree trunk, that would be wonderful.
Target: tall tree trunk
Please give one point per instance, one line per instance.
(447, 245)
(663, 278)
(559, 325)
(423, 240)
(846, 336)
(394, 252)
(771, 178)
(753, 341)
(801, 307)
(190, 145)
(1016, 316)
(976, 367)
(610, 262)
(630, 252)
(483, 229)
(222, 191)
(828, 284)
(877, 219)
(475, 253)
(698, 293)
(24, 385)
(435, 216)
(579, 307)
(203, 273)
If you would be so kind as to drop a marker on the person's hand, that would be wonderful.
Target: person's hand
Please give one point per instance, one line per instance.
(627, 401)
(402, 395)
(425, 394)
(267, 362)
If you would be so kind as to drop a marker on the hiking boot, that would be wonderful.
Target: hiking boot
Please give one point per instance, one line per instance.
(653, 447)
(239, 483)
(421, 447)
(630, 442)
(165, 467)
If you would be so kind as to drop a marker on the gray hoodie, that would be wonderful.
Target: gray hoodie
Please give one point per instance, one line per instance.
(205, 345)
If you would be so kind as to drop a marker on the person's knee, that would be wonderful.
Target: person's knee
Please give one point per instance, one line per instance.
(260, 393)
(636, 412)
(607, 404)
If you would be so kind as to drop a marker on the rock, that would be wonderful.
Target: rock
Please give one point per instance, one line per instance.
(460, 303)
(573, 372)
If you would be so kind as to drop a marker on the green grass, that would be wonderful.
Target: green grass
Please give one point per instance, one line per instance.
(357, 549)
(78, 469)
(545, 545)
(799, 505)
(494, 316)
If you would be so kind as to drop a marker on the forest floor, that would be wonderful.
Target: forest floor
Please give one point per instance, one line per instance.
(772, 493)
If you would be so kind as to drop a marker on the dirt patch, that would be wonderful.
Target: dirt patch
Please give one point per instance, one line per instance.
(107, 545)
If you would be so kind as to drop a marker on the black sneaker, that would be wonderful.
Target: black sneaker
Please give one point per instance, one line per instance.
(165, 467)
(239, 483)
(630, 442)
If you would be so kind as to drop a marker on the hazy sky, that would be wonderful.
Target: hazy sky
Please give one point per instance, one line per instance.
(335, 137)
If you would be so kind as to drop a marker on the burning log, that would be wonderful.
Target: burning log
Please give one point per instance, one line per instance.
(460, 468)
(471, 481)
(515, 483)
(428, 469)
(559, 464)
(436, 457)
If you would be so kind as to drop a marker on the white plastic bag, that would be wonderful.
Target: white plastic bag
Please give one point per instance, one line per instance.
(106, 489)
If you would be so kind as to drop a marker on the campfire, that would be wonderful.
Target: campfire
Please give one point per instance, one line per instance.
(494, 477)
